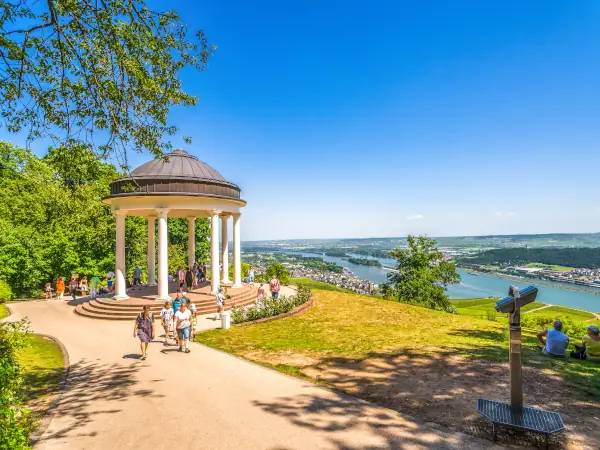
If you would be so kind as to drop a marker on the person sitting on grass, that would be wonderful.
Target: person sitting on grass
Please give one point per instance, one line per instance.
(556, 342)
(590, 348)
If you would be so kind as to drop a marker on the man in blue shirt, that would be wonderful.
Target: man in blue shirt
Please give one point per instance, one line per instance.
(556, 341)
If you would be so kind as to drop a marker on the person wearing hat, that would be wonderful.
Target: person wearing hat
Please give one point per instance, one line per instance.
(556, 341)
(590, 348)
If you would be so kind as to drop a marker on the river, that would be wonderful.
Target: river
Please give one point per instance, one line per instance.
(486, 285)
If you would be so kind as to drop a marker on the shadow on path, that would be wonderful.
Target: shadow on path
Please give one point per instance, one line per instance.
(343, 413)
(87, 383)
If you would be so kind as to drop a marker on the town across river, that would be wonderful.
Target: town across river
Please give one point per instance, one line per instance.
(474, 284)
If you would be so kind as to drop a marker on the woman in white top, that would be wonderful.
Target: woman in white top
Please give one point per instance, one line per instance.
(183, 325)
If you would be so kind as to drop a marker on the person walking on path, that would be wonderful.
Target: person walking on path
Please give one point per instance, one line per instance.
(144, 329)
(261, 294)
(48, 290)
(73, 285)
(177, 301)
(166, 318)
(180, 277)
(94, 282)
(60, 288)
(109, 280)
(83, 286)
(193, 309)
(183, 325)
(220, 301)
(137, 277)
(189, 278)
(275, 287)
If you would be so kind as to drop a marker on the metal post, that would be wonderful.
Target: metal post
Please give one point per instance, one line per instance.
(516, 374)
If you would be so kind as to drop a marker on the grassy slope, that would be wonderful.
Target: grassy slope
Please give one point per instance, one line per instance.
(42, 364)
(3, 311)
(480, 307)
(355, 326)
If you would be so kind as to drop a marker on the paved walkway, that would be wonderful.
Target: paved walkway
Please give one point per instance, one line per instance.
(205, 399)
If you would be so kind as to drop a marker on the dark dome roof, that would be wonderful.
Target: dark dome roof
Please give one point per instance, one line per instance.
(179, 173)
(178, 163)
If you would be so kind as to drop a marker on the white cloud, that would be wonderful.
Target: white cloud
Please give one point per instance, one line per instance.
(505, 214)
(415, 217)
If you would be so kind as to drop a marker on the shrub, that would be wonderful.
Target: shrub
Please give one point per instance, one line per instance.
(279, 271)
(5, 292)
(575, 330)
(13, 417)
(271, 307)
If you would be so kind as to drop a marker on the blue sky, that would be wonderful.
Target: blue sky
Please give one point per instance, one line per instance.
(359, 119)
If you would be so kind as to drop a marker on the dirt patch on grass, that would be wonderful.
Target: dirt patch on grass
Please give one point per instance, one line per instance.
(444, 388)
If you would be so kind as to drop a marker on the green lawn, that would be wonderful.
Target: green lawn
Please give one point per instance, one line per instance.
(355, 326)
(43, 367)
(553, 267)
(312, 284)
(481, 307)
(3, 311)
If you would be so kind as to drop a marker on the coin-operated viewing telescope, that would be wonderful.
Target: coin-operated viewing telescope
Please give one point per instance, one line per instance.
(512, 305)
(515, 415)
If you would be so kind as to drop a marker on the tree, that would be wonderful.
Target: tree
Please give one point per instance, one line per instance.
(53, 222)
(422, 274)
(83, 71)
(278, 271)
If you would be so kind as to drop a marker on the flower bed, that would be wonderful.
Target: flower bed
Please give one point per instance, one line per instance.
(271, 308)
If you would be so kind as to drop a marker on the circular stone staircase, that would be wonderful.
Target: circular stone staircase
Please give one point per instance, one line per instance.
(109, 309)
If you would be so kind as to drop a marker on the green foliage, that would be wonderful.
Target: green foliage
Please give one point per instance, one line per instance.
(422, 274)
(178, 235)
(177, 257)
(5, 292)
(576, 330)
(52, 220)
(271, 307)
(87, 72)
(13, 417)
(365, 262)
(572, 257)
(278, 271)
(52, 223)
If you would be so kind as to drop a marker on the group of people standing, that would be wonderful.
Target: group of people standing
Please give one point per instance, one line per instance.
(191, 277)
(274, 287)
(74, 285)
(178, 319)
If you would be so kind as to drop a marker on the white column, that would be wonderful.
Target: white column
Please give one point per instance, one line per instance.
(237, 254)
(151, 253)
(224, 250)
(214, 250)
(191, 241)
(163, 256)
(120, 273)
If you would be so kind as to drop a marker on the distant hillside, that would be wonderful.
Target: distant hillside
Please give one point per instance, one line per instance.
(377, 245)
(572, 257)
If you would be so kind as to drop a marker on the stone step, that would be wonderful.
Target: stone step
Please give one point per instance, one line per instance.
(114, 310)
(114, 305)
(200, 309)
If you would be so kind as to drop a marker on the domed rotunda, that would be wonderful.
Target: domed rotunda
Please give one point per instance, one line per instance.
(180, 185)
